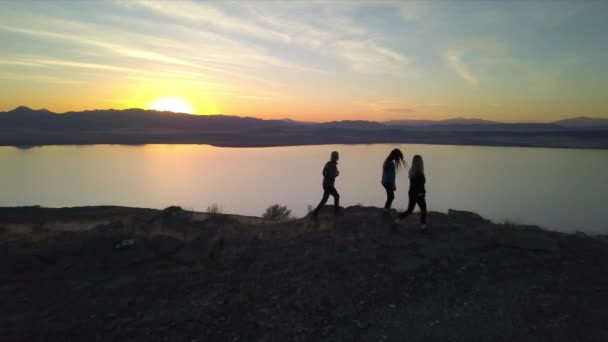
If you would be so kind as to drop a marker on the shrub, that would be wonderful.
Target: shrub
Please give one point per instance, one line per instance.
(310, 208)
(215, 209)
(277, 212)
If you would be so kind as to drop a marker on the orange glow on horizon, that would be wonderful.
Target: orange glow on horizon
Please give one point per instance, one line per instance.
(172, 104)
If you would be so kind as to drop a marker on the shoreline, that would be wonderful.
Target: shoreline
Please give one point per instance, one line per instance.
(25, 147)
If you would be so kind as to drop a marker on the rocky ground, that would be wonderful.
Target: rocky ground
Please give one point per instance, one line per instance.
(201, 277)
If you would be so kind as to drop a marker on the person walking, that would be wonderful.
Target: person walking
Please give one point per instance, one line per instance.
(330, 172)
(417, 192)
(390, 167)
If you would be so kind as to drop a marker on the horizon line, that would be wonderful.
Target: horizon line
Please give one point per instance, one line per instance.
(311, 122)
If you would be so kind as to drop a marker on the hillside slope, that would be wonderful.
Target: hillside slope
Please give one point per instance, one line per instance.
(201, 277)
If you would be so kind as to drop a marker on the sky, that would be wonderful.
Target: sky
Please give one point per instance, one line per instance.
(512, 61)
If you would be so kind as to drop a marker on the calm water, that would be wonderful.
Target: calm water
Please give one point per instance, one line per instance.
(559, 189)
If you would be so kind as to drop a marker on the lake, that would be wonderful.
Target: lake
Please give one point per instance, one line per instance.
(558, 189)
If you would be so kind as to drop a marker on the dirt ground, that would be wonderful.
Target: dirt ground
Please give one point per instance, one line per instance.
(356, 277)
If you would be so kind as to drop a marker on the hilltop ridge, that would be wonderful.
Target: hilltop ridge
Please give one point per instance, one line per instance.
(214, 277)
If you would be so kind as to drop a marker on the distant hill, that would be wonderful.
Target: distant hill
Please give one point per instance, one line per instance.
(25, 126)
(583, 122)
(126, 120)
(454, 121)
(353, 124)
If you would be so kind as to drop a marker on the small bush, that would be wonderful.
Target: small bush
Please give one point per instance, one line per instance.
(277, 212)
(215, 209)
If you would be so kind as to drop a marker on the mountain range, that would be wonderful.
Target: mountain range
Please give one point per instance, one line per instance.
(25, 126)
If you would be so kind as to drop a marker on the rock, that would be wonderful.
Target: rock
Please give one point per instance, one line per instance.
(126, 243)
(465, 215)
(175, 212)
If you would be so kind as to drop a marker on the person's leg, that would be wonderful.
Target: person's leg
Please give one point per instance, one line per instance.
(410, 207)
(326, 193)
(422, 204)
(336, 196)
(390, 196)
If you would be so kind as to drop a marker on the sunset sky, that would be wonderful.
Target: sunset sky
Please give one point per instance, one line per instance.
(310, 61)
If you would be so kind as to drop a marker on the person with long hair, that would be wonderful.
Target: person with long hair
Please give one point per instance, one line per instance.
(417, 191)
(390, 167)
(330, 172)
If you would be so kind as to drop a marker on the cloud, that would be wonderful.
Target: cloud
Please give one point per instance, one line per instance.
(84, 40)
(409, 10)
(202, 13)
(20, 63)
(398, 107)
(368, 57)
(255, 97)
(38, 78)
(455, 60)
(326, 31)
(87, 37)
(399, 110)
(37, 61)
(431, 105)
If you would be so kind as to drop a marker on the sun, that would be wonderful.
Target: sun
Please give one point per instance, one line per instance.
(172, 104)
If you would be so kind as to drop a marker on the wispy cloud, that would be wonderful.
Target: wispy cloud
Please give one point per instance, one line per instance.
(337, 35)
(255, 97)
(18, 62)
(368, 57)
(409, 10)
(36, 61)
(202, 13)
(85, 40)
(455, 61)
(399, 110)
(395, 107)
(114, 49)
(38, 78)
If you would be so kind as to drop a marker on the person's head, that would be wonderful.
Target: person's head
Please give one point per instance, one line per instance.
(417, 165)
(396, 156)
(334, 156)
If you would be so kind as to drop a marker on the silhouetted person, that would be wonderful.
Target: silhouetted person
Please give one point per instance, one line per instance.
(417, 192)
(389, 174)
(330, 172)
